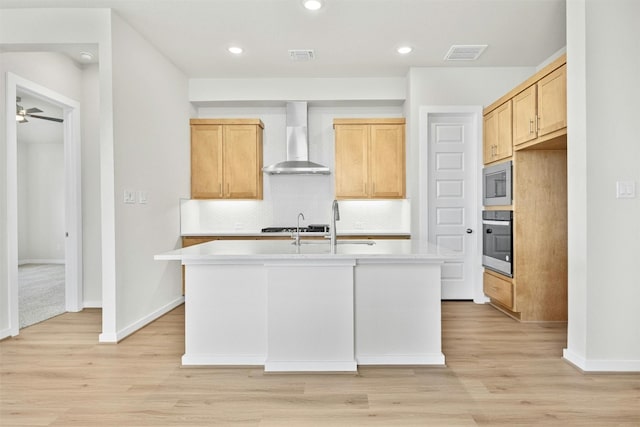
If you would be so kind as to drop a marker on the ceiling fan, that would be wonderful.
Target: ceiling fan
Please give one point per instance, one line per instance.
(22, 114)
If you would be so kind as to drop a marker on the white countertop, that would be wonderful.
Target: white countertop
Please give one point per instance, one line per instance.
(258, 233)
(256, 250)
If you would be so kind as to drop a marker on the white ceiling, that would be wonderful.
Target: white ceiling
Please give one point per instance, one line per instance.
(351, 38)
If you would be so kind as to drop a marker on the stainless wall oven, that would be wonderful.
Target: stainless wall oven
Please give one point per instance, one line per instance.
(497, 241)
(496, 185)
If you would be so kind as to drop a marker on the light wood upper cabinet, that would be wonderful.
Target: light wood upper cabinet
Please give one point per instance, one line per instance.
(206, 161)
(497, 143)
(524, 115)
(370, 158)
(226, 158)
(552, 102)
(541, 109)
(352, 171)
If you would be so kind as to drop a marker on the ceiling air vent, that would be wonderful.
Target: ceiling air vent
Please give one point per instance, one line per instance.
(469, 52)
(301, 55)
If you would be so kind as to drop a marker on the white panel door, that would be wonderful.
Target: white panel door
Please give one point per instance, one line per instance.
(452, 217)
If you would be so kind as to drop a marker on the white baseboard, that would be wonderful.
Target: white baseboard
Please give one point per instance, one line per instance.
(125, 332)
(40, 261)
(311, 366)
(92, 304)
(5, 333)
(401, 359)
(591, 365)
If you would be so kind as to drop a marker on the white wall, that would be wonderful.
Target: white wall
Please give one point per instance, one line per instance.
(300, 89)
(91, 212)
(604, 232)
(151, 154)
(41, 220)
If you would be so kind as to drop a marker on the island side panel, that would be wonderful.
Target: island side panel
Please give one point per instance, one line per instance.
(225, 315)
(310, 317)
(398, 315)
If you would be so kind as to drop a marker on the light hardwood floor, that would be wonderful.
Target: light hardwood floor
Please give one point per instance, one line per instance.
(499, 372)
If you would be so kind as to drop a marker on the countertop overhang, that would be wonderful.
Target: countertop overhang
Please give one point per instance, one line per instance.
(265, 250)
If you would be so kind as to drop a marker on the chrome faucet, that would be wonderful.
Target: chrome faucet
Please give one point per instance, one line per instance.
(335, 216)
(298, 229)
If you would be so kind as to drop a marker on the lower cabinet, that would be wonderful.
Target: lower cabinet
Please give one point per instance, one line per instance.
(499, 289)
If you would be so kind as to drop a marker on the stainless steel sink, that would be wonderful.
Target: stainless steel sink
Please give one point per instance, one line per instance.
(339, 242)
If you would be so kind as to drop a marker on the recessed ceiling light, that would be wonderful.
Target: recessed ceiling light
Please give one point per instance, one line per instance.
(403, 50)
(86, 56)
(235, 50)
(312, 4)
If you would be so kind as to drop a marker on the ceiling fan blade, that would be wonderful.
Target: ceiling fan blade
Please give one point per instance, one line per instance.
(53, 119)
(34, 110)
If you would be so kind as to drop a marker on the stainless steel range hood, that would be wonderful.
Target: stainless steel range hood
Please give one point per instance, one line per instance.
(297, 160)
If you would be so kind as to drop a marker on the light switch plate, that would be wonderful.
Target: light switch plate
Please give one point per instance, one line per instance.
(625, 189)
(129, 196)
(142, 197)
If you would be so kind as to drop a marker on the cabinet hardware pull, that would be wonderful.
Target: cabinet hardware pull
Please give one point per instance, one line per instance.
(228, 190)
(538, 120)
(531, 126)
(220, 192)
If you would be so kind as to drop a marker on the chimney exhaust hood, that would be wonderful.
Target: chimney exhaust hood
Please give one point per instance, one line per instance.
(297, 160)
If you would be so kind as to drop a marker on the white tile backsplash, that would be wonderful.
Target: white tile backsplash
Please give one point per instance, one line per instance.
(249, 216)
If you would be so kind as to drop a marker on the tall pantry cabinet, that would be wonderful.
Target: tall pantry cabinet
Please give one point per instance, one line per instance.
(538, 289)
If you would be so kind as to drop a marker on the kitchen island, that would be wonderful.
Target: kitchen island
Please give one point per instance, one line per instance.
(312, 307)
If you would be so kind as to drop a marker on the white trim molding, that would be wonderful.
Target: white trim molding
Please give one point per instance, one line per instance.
(139, 324)
(595, 365)
(73, 202)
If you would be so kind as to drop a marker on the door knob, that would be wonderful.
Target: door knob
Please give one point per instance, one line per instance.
(469, 231)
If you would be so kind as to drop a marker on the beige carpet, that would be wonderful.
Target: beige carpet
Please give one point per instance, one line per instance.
(40, 292)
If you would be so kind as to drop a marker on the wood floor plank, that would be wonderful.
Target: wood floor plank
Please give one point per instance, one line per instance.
(498, 372)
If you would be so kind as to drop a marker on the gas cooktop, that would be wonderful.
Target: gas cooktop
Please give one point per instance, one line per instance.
(311, 228)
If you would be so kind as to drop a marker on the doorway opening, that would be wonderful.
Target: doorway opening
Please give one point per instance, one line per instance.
(41, 222)
(70, 244)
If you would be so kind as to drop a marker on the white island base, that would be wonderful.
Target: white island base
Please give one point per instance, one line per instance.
(311, 312)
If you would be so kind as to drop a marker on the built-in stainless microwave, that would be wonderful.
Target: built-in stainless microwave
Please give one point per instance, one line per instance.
(496, 185)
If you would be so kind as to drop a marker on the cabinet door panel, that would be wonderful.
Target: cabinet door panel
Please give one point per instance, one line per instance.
(504, 148)
(552, 102)
(241, 180)
(490, 136)
(524, 116)
(387, 161)
(206, 161)
(351, 161)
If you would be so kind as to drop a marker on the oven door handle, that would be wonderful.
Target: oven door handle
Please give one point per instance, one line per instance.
(490, 222)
